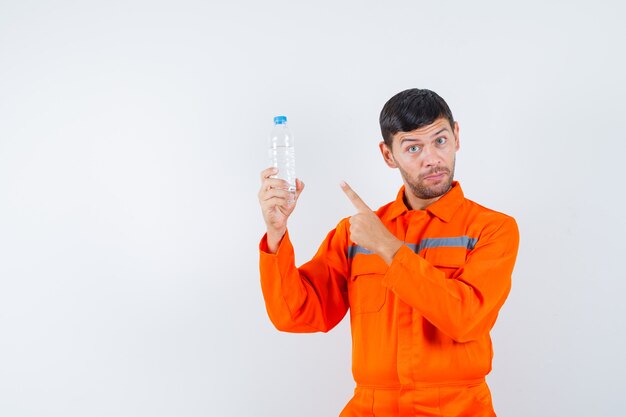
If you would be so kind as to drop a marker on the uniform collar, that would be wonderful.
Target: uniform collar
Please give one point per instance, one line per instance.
(444, 208)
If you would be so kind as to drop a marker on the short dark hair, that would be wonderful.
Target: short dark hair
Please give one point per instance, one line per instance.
(411, 109)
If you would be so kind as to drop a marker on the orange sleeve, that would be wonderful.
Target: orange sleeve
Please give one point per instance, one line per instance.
(465, 306)
(311, 298)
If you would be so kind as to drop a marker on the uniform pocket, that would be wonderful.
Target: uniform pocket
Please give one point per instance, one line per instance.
(470, 401)
(447, 260)
(367, 293)
(481, 395)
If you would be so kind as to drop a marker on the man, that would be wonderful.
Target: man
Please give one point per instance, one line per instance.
(424, 276)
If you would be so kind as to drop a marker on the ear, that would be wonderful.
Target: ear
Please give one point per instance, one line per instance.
(387, 155)
(457, 144)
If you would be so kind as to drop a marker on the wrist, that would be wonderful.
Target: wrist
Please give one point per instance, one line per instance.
(274, 237)
(389, 249)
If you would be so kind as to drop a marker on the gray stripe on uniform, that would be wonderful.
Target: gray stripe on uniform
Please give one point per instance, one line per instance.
(356, 249)
(432, 242)
(447, 242)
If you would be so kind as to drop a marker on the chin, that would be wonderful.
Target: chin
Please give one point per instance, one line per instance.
(427, 193)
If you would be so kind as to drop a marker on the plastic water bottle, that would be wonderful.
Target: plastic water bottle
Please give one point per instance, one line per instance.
(281, 152)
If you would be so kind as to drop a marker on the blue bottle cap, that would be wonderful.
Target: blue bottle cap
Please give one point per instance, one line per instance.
(279, 120)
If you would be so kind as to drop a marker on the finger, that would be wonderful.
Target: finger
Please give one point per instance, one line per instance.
(268, 172)
(266, 194)
(353, 220)
(276, 202)
(299, 187)
(354, 198)
(271, 183)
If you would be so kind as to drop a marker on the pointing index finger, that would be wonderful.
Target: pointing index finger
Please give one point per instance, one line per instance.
(358, 203)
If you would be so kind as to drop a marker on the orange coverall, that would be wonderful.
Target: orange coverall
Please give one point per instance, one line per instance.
(420, 326)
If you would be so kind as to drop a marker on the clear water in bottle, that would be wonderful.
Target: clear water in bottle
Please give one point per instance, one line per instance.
(281, 152)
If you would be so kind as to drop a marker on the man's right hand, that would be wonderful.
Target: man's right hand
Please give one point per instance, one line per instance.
(277, 204)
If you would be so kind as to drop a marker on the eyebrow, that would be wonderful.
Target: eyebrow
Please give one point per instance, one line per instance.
(439, 132)
(445, 129)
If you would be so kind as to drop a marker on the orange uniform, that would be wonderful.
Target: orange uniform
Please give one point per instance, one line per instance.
(420, 326)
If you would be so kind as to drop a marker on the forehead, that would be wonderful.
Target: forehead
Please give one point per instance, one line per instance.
(425, 132)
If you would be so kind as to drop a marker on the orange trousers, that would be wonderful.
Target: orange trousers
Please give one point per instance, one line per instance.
(469, 399)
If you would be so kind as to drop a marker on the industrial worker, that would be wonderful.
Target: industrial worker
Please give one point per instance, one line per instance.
(423, 277)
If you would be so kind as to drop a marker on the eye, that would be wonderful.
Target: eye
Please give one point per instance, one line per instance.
(441, 141)
(413, 149)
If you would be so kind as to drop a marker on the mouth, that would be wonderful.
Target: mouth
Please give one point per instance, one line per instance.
(435, 177)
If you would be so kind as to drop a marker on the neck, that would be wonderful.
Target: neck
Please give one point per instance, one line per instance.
(414, 202)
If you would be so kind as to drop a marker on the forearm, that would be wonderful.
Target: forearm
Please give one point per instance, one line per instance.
(308, 299)
(464, 304)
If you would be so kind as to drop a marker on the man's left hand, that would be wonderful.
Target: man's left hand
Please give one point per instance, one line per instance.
(366, 229)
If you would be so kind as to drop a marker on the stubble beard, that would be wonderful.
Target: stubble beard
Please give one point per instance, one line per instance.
(424, 192)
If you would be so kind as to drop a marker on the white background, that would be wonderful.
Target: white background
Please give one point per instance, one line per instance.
(132, 134)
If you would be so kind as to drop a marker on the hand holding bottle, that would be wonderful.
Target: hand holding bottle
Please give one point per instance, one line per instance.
(277, 204)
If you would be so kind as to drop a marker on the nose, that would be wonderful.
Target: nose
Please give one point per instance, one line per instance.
(431, 157)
